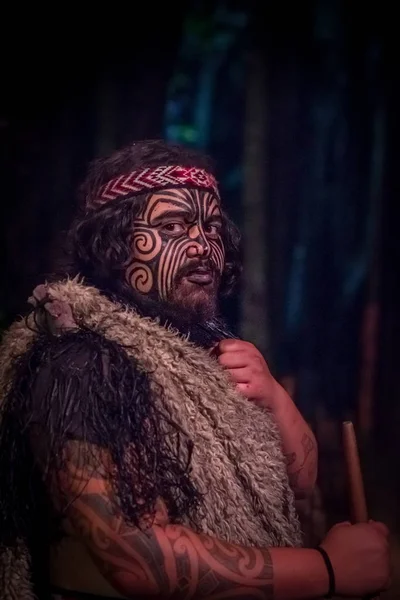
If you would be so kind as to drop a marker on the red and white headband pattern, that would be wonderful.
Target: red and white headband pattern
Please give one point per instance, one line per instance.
(155, 178)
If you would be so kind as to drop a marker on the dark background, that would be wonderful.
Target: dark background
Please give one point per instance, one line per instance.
(298, 103)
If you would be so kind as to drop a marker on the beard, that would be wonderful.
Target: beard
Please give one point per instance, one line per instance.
(197, 299)
(190, 308)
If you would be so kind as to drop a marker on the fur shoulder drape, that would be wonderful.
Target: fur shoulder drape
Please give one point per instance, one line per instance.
(237, 462)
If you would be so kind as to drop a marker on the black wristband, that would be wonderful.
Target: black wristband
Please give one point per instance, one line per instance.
(331, 573)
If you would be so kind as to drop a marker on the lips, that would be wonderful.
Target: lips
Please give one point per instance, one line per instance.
(200, 276)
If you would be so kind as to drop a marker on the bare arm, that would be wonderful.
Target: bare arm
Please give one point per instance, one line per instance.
(248, 368)
(299, 443)
(171, 561)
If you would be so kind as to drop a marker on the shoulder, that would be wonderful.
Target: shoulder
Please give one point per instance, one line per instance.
(73, 381)
(74, 353)
(79, 365)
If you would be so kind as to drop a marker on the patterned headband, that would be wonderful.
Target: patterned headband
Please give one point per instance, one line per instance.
(153, 179)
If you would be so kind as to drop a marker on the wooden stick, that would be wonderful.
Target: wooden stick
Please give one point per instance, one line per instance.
(358, 503)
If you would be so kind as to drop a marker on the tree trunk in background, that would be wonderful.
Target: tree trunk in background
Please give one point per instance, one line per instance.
(370, 323)
(254, 310)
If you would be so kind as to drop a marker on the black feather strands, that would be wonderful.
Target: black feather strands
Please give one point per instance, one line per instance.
(81, 386)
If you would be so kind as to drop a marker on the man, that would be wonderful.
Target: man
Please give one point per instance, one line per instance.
(144, 452)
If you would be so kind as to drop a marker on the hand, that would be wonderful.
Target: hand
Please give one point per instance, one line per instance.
(248, 370)
(360, 557)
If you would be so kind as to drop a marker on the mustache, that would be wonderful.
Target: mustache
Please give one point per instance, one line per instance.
(202, 265)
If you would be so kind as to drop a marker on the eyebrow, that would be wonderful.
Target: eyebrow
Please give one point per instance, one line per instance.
(182, 213)
(171, 213)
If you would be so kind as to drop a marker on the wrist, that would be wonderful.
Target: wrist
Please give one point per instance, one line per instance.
(301, 576)
(320, 574)
(280, 399)
(330, 571)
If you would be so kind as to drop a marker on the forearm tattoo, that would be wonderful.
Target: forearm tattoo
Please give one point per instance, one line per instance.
(163, 560)
(306, 461)
(290, 458)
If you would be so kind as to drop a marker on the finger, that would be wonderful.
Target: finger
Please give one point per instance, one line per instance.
(240, 375)
(234, 360)
(380, 527)
(234, 345)
(244, 389)
(341, 524)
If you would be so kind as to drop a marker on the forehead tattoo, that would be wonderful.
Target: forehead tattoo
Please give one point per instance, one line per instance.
(158, 255)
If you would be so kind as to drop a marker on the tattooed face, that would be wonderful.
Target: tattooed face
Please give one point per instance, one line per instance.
(178, 253)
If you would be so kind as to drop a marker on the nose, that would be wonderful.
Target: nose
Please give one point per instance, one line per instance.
(197, 248)
(199, 245)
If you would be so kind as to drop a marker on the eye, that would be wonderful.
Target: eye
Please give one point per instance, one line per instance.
(213, 229)
(174, 228)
